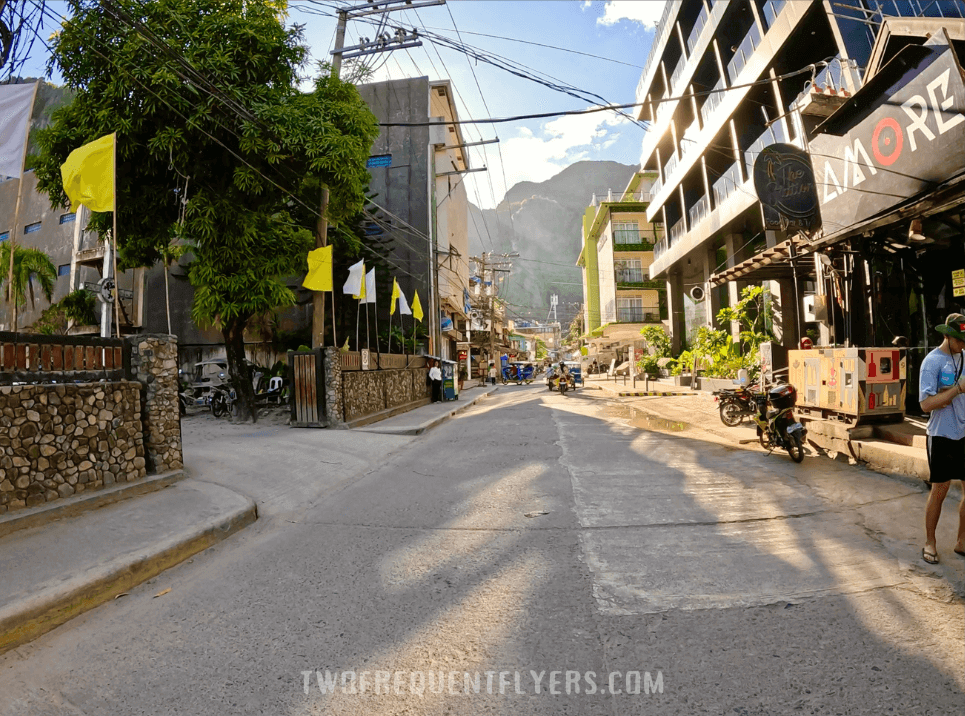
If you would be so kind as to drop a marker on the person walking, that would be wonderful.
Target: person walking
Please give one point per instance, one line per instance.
(492, 373)
(941, 393)
(435, 379)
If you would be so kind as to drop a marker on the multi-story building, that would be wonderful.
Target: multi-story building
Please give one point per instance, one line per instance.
(720, 85)
(618, 243)
(417, 177)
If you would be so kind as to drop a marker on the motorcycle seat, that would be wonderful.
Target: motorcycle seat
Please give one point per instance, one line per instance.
(772, 413)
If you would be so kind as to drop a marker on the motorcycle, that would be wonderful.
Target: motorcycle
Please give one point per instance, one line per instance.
(735, 404)
(777, 428)
(222, 401)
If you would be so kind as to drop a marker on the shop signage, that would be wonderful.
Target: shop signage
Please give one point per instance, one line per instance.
(901, 134)
(958, 283)
(784, 180)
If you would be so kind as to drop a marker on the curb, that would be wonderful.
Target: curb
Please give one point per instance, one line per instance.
(423, 427)
(28, 619)
(72, 506)
(650, 394)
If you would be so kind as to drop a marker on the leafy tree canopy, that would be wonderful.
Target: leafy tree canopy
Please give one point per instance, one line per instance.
(216, 142)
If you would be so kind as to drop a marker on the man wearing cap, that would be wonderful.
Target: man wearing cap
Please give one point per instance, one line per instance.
(941, 391)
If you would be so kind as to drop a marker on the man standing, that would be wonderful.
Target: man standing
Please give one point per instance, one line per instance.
(941, 391)
(435, 379)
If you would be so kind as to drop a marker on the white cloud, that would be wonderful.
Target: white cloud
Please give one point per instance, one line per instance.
(646, 12)
(537, 156)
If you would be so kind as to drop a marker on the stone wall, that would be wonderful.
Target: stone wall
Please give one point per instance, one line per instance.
(154, 363)
(58, 440)
(332, 362)
(366, 392)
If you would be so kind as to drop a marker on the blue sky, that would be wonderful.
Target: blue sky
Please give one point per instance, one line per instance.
(532, 150)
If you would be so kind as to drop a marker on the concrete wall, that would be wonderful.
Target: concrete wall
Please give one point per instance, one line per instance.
(403, 187)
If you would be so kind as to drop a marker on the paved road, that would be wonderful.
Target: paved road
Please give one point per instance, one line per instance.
(534, 533)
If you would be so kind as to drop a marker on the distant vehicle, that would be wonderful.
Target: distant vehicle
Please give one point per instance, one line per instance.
(575, 371)
(518, 372)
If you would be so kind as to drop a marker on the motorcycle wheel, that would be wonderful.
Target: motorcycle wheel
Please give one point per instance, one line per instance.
(764, 439)
(730, 414)
(795, 447)
(562, 387)
(182, 406)
(219, 406)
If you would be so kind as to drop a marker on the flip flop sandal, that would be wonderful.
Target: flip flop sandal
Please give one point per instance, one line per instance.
(959, 552)
(930, 557)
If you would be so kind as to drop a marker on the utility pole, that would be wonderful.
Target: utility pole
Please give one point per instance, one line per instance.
(492, 264)
(384, 43)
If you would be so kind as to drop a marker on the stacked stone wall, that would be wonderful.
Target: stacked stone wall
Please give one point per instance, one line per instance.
(58, 440)
(366, 392)
(154, 363)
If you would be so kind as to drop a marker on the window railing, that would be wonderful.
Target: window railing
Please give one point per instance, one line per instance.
(727, 184)
(656, 49)
(713, 101)
(697, 31)
(631, 275)
(663, 108)
(659, 249)
(637, 314)
(668, 168)
(634, 238)
(699, 211)
(677, 73)
(689, 140)
(678, 230)
(744, 53)
(773, 8)
(657, 186)
(625, 197)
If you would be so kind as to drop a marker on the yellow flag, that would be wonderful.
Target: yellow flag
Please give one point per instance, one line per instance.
(88, 175)
(417, 308)
(319, 276)
(395, 295)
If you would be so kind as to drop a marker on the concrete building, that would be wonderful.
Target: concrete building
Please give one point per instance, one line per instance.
(618, 242)
(717, 88)
(417, 178)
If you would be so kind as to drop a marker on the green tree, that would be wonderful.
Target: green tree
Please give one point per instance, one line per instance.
(30, 266)
(213, 133)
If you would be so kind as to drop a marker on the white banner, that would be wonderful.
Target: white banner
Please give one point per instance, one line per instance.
(16, 103)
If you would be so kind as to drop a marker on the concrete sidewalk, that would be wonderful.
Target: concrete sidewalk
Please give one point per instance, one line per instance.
(416, 422)
(72, 562)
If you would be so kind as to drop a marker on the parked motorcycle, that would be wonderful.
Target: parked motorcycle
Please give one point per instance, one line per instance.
(736, 404)
(222, 401)
(777, 428)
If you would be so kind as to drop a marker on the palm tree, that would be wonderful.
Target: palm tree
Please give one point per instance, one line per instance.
(29, 266)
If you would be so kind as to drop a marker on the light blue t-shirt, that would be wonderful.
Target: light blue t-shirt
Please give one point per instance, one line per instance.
(938, 372)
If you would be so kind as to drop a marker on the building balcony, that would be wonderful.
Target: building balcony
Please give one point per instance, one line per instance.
(630, 240)
(637, 315)
(699, 211)
(664, 27)
(632, 275)
(772, 9)
(772, 135)
(660, 248)
(677, 231)
(695, 34)
(713, 101)
(675, 77)
(727, 184)
(744, 53)
(627, 197)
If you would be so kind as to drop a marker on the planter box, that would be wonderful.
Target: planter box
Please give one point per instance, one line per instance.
(681, 380)
(711, 384)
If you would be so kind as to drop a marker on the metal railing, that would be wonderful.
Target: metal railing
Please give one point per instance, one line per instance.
(657, 186)
(636, 314)
(713, 101)
(744, 53)
(678, 230)
(772, 9)
(663, 28)
(727, 184)
(699, 211)
(675, 77)
(670, 166)
(698, 30)
(660, 248)
(625, 197)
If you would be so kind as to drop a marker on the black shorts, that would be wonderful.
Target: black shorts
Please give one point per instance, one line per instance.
(946, 459)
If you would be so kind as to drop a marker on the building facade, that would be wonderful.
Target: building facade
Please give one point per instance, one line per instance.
(618, 243)
(719, 86)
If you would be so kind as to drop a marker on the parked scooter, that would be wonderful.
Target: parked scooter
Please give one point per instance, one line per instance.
(777, 428)
(736, 404)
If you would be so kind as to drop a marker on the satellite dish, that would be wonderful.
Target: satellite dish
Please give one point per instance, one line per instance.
(698, 293)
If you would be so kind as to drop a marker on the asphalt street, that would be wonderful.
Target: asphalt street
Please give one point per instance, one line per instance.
(536, 554)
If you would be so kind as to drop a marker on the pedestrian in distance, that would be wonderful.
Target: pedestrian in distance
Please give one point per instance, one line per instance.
(941, 393)
(435, 380)
(492, 373)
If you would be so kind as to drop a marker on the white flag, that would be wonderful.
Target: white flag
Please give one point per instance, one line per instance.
(16, 103)
(404, 309)
(369, 287)
(354, 284)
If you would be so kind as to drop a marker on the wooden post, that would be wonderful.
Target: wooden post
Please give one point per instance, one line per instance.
(117, 308)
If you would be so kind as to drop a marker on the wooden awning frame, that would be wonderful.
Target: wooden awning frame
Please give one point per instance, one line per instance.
(772, 264)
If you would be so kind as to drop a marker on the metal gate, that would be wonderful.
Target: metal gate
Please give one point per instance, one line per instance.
(307, 370)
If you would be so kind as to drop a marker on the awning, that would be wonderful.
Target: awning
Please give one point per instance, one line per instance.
(771, 264)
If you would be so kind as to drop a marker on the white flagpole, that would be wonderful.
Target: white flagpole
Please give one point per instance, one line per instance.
(117, 308)
(11, 294)
(390, 332)
(358, 311)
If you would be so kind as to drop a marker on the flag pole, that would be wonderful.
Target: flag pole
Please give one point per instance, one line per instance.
(11, 294)
(117, 307)
(334, 337)
(358, 311)
(390, 330)
(368, 341)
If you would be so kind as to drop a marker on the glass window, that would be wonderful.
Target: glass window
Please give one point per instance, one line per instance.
(67, 218)
(31, 228)
(626, 232)
(63, 270)
(4, 236)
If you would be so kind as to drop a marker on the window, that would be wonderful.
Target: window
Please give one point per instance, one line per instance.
(31, 228)
(626, 232)
(68, 218)
(379, 160)
(629, 271)
(63, 270)
(4, 236)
